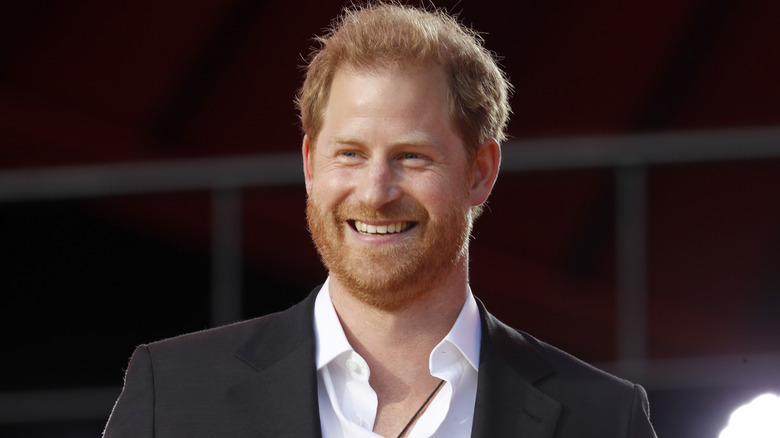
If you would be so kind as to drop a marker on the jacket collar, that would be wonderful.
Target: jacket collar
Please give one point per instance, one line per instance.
(280, 334)
(507, 400)
(283, 394)
(280, 398)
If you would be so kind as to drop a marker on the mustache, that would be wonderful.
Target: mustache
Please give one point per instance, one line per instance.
(407, 211)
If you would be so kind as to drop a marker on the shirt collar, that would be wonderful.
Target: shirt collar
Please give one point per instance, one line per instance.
(464, 335)
(327, 326)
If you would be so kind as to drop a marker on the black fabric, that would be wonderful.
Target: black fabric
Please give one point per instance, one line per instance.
(257, 378)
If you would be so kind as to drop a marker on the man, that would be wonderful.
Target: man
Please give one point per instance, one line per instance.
(403, 111)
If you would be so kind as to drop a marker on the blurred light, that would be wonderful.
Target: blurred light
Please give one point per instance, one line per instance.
(758, 419)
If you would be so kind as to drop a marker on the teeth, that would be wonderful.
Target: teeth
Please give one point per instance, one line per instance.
(396, 227)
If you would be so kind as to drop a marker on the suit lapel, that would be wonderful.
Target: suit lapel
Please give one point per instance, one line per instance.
(280, 394)
(508, 403)
(278, 397)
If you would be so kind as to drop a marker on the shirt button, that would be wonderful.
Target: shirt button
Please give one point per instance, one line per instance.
(352, 365)
(357, 420)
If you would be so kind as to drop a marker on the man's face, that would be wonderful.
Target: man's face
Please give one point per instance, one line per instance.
(389, 185)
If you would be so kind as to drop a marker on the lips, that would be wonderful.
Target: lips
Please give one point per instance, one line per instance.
(391, 228)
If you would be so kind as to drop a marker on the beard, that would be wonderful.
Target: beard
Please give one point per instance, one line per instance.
(392, 276)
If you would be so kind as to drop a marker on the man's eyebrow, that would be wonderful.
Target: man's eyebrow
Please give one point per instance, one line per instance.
(342, 139)
(408, 140)
(415, 140)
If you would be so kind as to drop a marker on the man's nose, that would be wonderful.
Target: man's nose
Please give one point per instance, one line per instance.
(379, 185)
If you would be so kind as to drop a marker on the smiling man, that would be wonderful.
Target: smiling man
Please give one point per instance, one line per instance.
(389, 158)
(403, 112)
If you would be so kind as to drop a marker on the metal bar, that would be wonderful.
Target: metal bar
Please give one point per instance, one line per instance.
(761, 371)
(53, 405)
(647, 149)
(269, 170)
(152, 177)
(630, 201)
(226, 257)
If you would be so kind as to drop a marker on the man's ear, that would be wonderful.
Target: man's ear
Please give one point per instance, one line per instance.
(306, 152)
(484, 171)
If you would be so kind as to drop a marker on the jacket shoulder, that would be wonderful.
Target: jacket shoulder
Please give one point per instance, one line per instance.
(592, 401)
(268, 331)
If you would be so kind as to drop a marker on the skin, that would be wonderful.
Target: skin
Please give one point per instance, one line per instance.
(389, 154)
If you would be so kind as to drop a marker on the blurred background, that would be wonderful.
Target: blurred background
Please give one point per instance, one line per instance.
(150, 185)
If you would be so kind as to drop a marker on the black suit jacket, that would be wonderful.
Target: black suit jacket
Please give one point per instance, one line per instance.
(257, 379)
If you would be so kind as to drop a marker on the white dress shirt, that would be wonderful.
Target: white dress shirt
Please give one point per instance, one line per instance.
(348, 404)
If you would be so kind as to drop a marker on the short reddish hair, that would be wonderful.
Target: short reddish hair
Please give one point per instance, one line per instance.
(389, 35)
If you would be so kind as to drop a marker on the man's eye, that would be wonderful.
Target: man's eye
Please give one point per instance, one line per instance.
(349, 154)
(412, 156)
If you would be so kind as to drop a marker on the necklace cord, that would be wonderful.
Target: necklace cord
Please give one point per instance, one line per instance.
(414, 417)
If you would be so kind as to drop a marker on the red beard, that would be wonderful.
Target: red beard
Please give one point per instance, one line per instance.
(393, 276)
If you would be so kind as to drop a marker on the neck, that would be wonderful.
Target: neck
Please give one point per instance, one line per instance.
(397, 343)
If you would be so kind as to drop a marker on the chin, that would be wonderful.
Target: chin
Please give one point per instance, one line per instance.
(395, 289)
